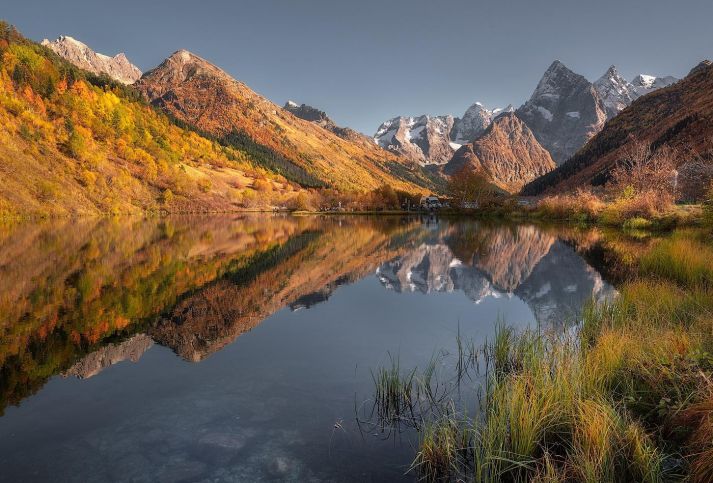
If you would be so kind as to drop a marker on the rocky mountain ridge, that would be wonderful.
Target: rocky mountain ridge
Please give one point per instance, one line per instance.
(78, 53)
(564, 112)
(320, 118)
(425, 139)
(617, 93)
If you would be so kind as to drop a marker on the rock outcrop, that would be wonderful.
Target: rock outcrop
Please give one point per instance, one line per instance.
(129, 350)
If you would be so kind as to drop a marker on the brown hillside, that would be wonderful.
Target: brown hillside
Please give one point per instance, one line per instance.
(202, 95)
(507, 152)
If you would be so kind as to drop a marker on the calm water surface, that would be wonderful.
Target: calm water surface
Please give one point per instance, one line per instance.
(237, 348)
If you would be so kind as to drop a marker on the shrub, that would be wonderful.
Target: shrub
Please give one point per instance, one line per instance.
(167, 196)
(647, 205)
(583, 205)
(204, 184)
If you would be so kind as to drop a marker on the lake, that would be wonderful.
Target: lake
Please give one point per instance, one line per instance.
(242, 348)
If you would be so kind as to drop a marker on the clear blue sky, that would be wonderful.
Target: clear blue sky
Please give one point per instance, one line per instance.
(369, 60)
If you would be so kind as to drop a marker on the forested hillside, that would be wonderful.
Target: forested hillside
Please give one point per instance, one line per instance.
(75, 143)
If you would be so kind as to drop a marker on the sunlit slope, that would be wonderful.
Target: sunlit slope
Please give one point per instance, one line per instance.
(204, 96)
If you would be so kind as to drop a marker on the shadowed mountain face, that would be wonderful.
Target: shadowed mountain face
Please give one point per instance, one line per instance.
(78, 299)
(564, 112)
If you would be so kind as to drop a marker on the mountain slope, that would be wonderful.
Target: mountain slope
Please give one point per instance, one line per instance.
(71, 143)
(680, 115)
(118, 67)
(564, 111)
(507, 153)
(200, 94)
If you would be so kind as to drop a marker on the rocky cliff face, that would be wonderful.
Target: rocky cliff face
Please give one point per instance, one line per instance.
(680, 115)
(79, 54)
(425, 139)
(202, 95)
(564, 112)
(507, 153)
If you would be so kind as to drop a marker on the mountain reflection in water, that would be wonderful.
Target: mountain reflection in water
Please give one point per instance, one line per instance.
(77, 297)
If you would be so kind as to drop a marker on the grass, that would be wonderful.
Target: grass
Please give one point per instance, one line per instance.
(628, 396)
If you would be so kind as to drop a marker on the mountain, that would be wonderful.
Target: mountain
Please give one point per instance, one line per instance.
(680, 115)
(617, 93)
(475, 120)
(72, 143)
(432, 140)
(507, 153)
(201, 95)
(118, 67)
(645, 84)
(424, 139)
(314, 115)
(564, 111)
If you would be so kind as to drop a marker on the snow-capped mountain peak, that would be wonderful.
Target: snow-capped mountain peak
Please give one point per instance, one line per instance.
(422, 138)
(474, 121)
(644, 83)
(615, 91)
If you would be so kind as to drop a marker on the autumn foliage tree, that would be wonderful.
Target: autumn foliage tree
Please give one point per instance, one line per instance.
(469, 185)
(644, 171)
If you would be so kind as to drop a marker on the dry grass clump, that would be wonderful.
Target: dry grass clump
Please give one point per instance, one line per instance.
(680, 258)
(582, 205)
(648, 205)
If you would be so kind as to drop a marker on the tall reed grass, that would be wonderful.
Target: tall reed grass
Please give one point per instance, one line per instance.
(626, 397)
